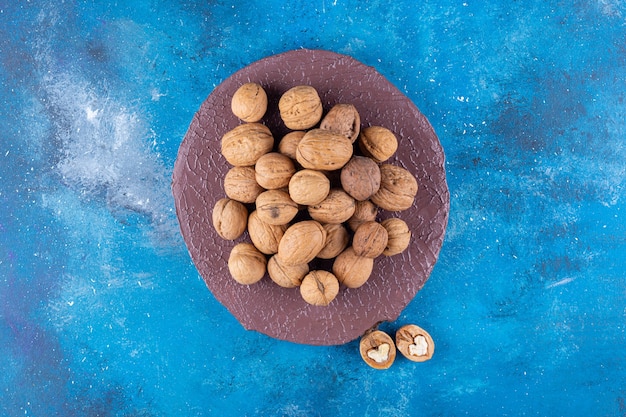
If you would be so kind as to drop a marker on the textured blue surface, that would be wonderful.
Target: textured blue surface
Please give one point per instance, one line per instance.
(103, 314)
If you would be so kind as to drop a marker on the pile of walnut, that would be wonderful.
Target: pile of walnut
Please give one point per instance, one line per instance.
(311, 196)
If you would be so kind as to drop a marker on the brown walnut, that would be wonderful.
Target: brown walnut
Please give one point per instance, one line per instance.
(344, 119)
(364, 211)
(337, 239)
(300, 107)
(337, 207)
(377, 142)
(323, 150)
(286, 276)
(351, 269)
(240, 184)
(230, 218)
(276, 207)
(398, 236)
(370, 240)
(246, 264)
(415, 343)
(319, 288)
(246, 143)
(265, 236)
(274, 170)
(398, 188)
(309, 187)
(360, 177)
(249, 103)
(377, 349)
(289, 143)
(301, 242)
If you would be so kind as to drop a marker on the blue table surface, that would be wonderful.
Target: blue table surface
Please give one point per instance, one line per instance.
(102, 312)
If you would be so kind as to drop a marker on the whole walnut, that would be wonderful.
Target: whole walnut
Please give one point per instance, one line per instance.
(276, 207)
(301, 242)
(370, 239)
(309, 187)
(300, 107)
(319, 288)
(249, 102)
(286, 276)
(377, 142)
(337, 207)
(398, 188)
(240, 184)
(398, 236)
(289, 143)
(246, 264)
(360, 177)
(351, 269)
(265, 236)
(364, 211)
(344, 119)
(274, 170)
(323, 150)
(337, 239)
(246, 143)
(229, 218)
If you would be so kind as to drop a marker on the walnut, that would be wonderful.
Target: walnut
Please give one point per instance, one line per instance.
(351, 269)
(337, 239)
(364, 211)
(265, 236)
(300, 107)
(309, 187)
(415, 343)
(344, 119)
(246, 143)
(370, 240)
(276, 207)
(274, 170)
(360, 177)
(337, 207)
(246, 264)
(289, 143)
(286, 276)
(398, 236)
(377, 349)
(323, 150)
(301, 242)
(240, 184)
(377, 142)
(398, 188)
(249, 102)
(230, 218)
(319, 288)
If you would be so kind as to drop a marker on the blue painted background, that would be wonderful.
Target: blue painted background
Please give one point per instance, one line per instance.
(103, 314)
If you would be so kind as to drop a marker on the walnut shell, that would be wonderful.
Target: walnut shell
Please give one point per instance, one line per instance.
(230, 218)
(344, 119)
(289, 143)
(301, 242)
(244, 145)
(274, 170)
(370, 240)
(265, 236)
(377, 349)
(360, 177)
(398, 188)
(246, 264)
(286, 276)
(319, 288)
(398, 236)
(323, 150)
(377, 142)
(309, 187)
(240, 184)
(276, 207)
(249, 103)
(415, 343)
(365, 211)
(351, 269)
(300, 107)
(337, 207)
(337, 239)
